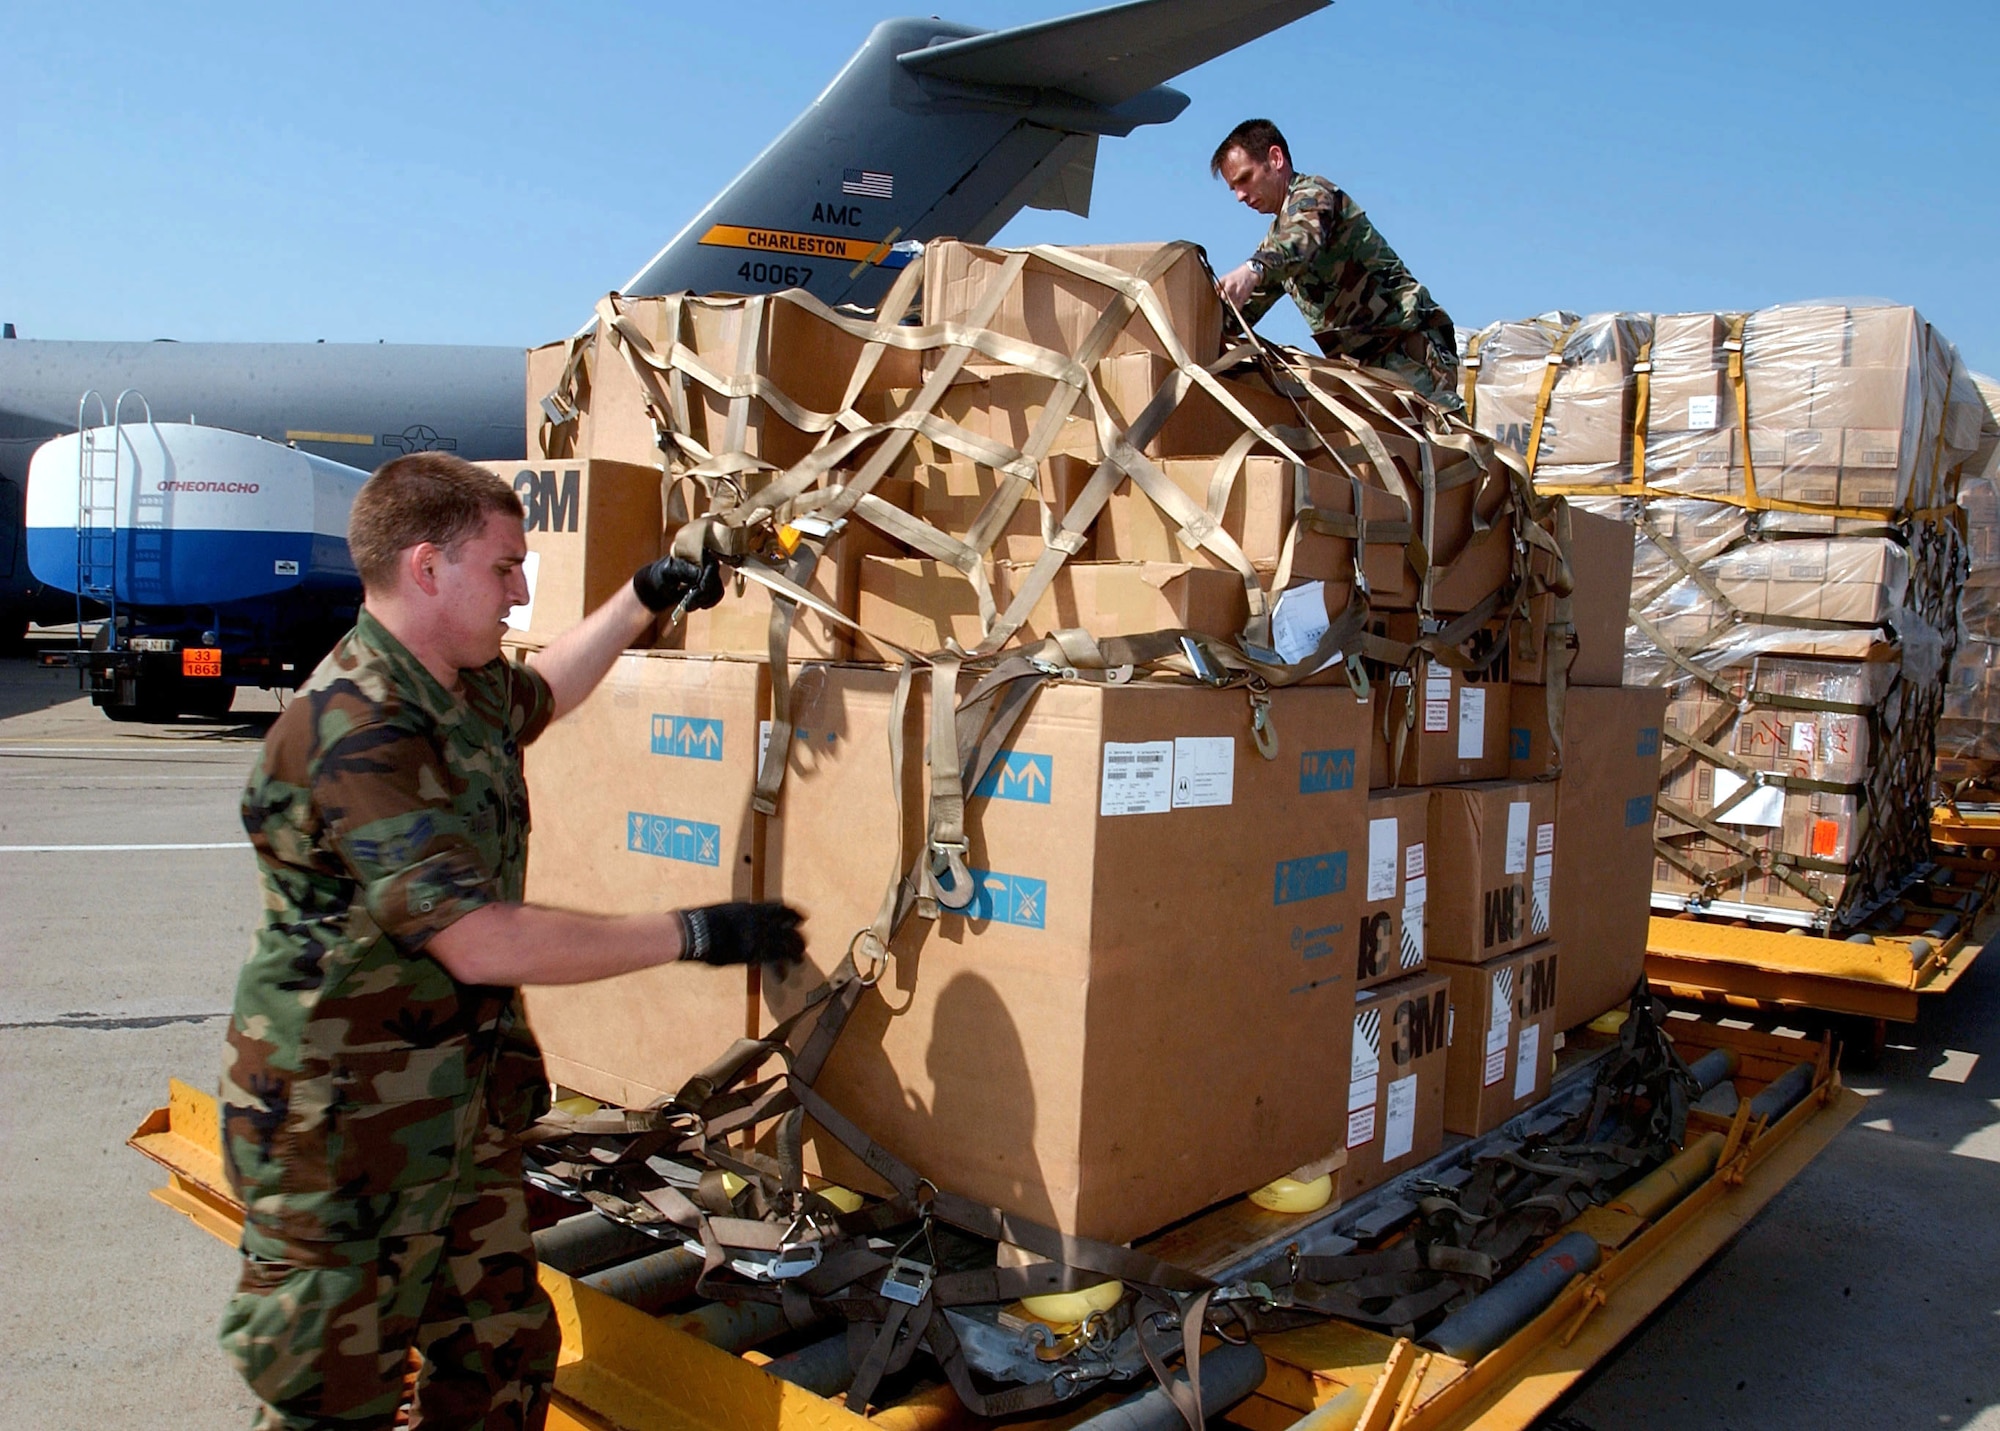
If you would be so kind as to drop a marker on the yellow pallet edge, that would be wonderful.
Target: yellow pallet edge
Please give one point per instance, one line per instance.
(623, 1369)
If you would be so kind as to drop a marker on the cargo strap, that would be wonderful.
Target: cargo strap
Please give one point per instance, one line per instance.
(1463, 1239)
(1642, 406)
(1549, 374)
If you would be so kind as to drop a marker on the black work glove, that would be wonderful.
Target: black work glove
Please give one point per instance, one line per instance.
(743, 934)
(664, 584)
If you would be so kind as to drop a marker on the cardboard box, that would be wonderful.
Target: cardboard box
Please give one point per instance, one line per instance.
(916, 604)
(1142, 1013)
(1467, 564)
(1453, 728)
(993, 405)
(590, 525)
(1604, 860)
(1601, 567)
(1395, 1088)
(1200, 424)
(1391, 923)
(1132, 599)
(1057, 309)
(642, 804)
(1133, 527)
(1492, 860)
(1587, 422)
(952, 495)
(1502, 1037)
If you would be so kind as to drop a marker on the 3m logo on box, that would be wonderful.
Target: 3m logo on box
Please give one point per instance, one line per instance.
(1322, 771)
(1009, 899)
(1312, 877)
(689, 737)
(668, 837)
(1018, 776)
(1537, 988)
(1506, 915)
(1638, 811)
(548, 505)
(1421, 1028)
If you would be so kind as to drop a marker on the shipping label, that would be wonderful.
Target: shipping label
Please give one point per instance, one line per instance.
(1009, 899)
(1500, 1022)
(1383, 838)
(1204, 770)
(1516, 856)
(1527, 1060)
(1309, 877)
(687, 737)
(1018, 775)
(1471, 722)
(1138, 778)
(1364, 1072)
(668, 837)
(1399, 1136)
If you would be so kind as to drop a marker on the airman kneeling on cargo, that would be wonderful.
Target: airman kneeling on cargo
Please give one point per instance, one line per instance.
(1355, 294)
(380, 1070)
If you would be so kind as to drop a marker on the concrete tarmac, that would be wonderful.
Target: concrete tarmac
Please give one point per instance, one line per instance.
(1865, 1296)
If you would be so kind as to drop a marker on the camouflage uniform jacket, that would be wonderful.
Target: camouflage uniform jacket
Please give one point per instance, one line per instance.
(1356, 296)
(360, 1072)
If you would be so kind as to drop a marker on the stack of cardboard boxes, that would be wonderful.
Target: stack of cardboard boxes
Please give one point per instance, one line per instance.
(1969, 730)
(1782, 472)
(1208, 936)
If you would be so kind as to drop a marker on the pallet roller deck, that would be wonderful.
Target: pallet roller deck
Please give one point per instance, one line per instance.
(623, 1370)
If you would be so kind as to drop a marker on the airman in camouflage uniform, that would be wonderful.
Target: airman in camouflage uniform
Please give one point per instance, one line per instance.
(380, 1067)
(1356, 296)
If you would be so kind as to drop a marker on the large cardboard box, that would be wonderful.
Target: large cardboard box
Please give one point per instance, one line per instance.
(1057, 309)
(1147, 1005)
(952, 495)
(1132, 598)
(589, 526)
(642, 804)
(811, 361)
(1265, 498)
(1587, 421)
(1395, 1088)
(1453, 727)
(1391, 942)
(1502, 1034)
(1600, 561)
(741, 623)
(1492, 861)
(1604, 860)
(918, 605)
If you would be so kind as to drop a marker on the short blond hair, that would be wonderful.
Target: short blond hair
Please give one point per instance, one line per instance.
(421, 497)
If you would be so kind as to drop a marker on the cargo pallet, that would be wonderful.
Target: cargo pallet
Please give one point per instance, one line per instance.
(1966, 828)
(1917, 947)
(623, 1370)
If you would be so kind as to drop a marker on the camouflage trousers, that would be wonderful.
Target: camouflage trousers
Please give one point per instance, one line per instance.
(1419, 359)
(323, 1331)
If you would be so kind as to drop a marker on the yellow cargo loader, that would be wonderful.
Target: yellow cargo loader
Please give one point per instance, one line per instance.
(624, 1370)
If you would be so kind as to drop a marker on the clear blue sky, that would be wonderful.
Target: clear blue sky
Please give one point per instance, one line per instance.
(480, 173)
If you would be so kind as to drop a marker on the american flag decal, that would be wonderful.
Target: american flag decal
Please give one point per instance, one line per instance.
(868, 183)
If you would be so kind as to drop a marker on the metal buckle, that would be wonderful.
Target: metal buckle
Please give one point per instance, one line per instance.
(907, 1281)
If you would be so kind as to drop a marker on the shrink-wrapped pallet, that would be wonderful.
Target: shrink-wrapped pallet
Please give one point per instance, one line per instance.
(1789, 477)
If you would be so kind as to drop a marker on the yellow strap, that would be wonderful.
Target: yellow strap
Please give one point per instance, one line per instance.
(1642, 372)
(1471, 365)
(1548, 387)
(1734, 347)
(1881, 515)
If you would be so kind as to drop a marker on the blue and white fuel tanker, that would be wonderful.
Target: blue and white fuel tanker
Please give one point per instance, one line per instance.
(215, 559)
